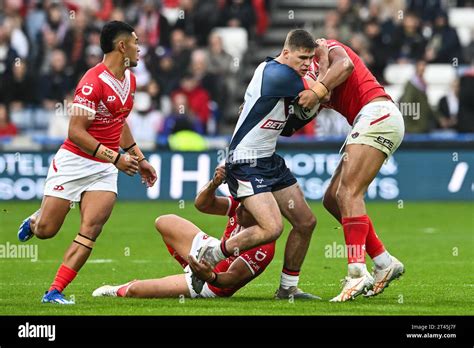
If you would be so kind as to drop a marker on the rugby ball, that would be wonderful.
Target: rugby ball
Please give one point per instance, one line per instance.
(303, 113)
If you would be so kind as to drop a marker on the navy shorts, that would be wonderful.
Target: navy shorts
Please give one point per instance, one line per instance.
(260, 175)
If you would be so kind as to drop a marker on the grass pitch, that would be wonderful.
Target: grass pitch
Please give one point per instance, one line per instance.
(435, 241)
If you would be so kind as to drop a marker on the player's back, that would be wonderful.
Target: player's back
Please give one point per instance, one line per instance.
(109, 99)
(265, 110)
(360, 87)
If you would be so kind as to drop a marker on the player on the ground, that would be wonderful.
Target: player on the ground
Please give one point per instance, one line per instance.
(378, 130)
(85, 168)
(183, 238)
(258, 177)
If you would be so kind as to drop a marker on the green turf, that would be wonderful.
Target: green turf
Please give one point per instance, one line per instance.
(434, 240)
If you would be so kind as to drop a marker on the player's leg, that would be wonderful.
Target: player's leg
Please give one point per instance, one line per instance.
(96, 207)
(170, 286)
(46, 221)
(177, 233)
(329, 199)
(264, 208)
(295, 209)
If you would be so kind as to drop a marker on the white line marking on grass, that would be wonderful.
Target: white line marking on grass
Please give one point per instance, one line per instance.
(100, 261)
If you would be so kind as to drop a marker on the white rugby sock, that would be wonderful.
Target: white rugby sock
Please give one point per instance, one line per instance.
(287, 281)
(383, 260)
(356, 269)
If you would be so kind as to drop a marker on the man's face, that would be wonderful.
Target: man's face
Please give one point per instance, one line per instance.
(299, 59)
(132, 50)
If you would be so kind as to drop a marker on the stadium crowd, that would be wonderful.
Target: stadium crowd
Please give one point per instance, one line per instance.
(188, 77)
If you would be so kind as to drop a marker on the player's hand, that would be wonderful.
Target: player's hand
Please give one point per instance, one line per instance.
(219, 176)
(147, 172)
(202, 270)
(307, 99)
(322, 49)
(128, 164)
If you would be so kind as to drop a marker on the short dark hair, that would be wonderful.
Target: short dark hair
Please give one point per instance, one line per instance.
(109, 33)
(299, 38)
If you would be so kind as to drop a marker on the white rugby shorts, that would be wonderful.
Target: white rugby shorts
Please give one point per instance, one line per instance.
(380, 125)
(70, 175)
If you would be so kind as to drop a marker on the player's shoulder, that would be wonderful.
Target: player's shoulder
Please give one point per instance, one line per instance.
(276, 72)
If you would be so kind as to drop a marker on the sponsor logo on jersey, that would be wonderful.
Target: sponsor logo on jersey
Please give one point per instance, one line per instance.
(58, 188)
(86, 90)
(111, 98)
(384, 142)
(273, 125)
(355, 135)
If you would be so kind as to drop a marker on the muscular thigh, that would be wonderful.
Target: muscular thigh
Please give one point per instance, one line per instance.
(96, 207)
(179, 233)
(293, 205)
(360, 166)
(52, 213)
(263, 208)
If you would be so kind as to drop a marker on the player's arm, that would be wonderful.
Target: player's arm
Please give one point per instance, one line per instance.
(128, 144)
(207, 202)
(340, 68)
(237, 273)
(79, 123)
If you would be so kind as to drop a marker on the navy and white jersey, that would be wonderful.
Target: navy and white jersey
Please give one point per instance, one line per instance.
(273, 87)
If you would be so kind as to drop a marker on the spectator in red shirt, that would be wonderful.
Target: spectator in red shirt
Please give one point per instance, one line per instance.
(197, 96)
(6, 127)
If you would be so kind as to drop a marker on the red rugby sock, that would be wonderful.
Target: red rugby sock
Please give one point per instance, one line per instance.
(355, 232)
(64, 276)
(374, 245)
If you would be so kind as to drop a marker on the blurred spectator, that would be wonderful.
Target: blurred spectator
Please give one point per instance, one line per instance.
(426, 10)
(466, 102)
(75, 44)
(415, 97)
(21, 95)
(181, 117)
(6, 127)
(333, 28)
(144, 121)
(55, 85)
(349, 14)
(238, 13)
(18, 39)
(444, 45)
(377, 49)
(7, 58)
(180, 52)
(58, 125)
(94, 56)
(408, 42)
(212, 83)
(198, 19)
(197, 98)
(153, 25)
(448, 107)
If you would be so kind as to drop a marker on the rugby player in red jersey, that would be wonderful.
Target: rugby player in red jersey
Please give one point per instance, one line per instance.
(85, 168)
(377, 131)
(183, 238)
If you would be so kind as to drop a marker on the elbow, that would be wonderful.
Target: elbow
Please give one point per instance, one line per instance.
(348, 67)
(200, 205)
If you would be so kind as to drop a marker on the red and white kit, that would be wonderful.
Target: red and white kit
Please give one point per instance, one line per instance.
(257, 259)
(109, 100)
(378, 124)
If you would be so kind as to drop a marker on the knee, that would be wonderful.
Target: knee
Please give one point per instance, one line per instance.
(306, 225)
(163, 223)
(44, 230)
(91, 230)
(274, 230)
